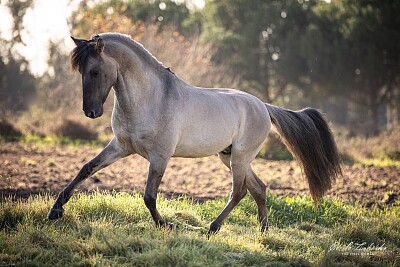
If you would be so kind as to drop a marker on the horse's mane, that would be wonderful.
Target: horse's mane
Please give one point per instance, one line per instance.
(81, 52)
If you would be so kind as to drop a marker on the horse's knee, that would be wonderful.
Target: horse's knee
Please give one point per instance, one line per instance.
(149, 201)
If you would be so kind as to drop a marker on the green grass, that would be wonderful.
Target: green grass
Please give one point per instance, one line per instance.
(115, 229)
(47, 141)
(380, 162)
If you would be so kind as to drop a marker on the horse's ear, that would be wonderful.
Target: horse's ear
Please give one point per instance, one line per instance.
(78, 41)
(100, 45)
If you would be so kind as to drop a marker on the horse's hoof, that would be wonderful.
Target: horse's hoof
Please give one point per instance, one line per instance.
(214, 228)
(264, 228)
(171, 226)
(55, 214)
(168, 225)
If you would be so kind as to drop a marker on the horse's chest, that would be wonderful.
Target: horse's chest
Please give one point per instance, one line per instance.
(140, 142)
(134, 139)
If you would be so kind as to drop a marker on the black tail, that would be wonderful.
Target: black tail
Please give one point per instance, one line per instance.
(308, 137)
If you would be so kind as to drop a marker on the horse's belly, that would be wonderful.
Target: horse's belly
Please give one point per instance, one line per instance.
(198, 151)
(203, 143)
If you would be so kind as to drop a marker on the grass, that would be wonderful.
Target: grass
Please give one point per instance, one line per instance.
(380, 162)
(47, 141)
(382, 150)
(115, 229)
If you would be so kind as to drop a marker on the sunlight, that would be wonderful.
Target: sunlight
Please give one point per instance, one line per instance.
(48, 20)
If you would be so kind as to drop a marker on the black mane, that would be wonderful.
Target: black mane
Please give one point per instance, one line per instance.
(81, 53)
(86, 49)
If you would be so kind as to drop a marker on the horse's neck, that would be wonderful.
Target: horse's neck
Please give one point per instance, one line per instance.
(138, 92)
(133, 93)
(144, 86)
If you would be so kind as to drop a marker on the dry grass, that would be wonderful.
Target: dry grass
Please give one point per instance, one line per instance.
(384, 147)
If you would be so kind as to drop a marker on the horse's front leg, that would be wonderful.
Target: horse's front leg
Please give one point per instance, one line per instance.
(157, 168)
(111, 153)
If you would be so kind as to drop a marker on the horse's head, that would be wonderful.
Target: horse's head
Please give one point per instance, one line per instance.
(98, 70)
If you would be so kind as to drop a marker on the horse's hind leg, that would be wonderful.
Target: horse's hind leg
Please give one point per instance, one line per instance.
(238, 191)
(109, 155)
(257, 190)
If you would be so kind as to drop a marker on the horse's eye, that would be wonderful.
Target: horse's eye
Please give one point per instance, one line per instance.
(94, 73)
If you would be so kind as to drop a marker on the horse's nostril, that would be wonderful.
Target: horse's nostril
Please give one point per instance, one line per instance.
(90, 114)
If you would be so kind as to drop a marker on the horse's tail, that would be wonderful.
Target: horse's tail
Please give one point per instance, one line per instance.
(307, 135)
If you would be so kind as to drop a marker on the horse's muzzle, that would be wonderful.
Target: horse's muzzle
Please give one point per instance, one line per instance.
(93, 113)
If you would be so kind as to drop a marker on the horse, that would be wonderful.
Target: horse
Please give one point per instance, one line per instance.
(157, 115)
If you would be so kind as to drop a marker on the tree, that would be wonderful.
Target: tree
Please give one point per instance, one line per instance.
(346, 49)
(350, 50)
(259, 39)
(59, 86)
(117, 14)
(17, 84)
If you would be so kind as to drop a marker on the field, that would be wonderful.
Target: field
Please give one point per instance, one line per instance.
(32, 169)
(106, 222)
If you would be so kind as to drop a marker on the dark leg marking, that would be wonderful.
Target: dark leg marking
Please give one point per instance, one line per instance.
(257, 190)
(239, 190)
(57, 211)
(110, 154)
(156, 172)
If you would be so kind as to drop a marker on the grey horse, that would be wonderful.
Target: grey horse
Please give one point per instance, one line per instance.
(158, 116)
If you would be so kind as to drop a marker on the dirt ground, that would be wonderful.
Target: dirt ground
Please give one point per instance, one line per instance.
(26, 169)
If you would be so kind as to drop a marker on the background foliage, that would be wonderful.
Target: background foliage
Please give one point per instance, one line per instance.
(341, 56)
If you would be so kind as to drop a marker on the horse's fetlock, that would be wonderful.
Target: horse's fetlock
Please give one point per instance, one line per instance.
(215, 225)
(167, 225)
(55, 213)
(264, 227)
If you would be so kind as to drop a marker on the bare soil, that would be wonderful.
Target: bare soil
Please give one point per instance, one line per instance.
(27, 169)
